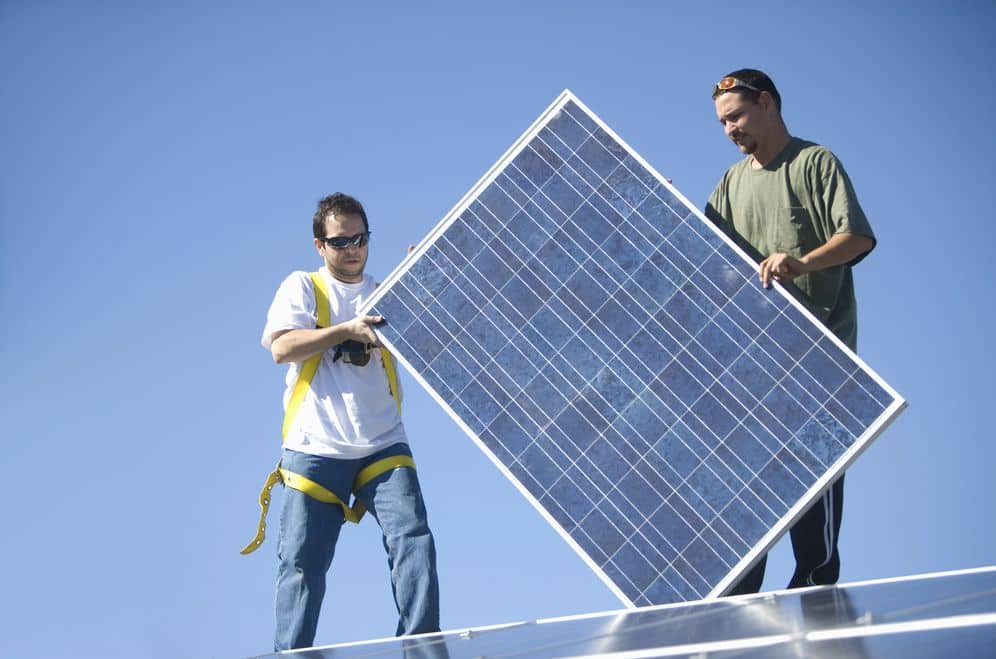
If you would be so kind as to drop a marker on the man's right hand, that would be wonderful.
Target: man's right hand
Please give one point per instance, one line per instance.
(781, 267)
(361, 329)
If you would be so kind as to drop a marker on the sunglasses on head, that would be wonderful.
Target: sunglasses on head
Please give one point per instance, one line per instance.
(342, 242)
(729, 82)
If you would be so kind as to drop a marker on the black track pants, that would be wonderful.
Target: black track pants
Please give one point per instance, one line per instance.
(814, 542)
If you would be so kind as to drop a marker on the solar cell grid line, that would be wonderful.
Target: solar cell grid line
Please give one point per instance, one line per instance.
(612, 352)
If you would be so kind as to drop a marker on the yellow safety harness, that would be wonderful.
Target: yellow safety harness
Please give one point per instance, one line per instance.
(354, 512)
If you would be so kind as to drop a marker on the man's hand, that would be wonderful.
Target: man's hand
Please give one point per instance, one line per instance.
(299, 344)
(361, 329)
(781, 267)
(841, 248)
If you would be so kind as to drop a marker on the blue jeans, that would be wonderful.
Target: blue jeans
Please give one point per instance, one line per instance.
(309, 530)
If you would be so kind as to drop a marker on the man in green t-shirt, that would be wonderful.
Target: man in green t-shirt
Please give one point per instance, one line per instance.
(790, 205)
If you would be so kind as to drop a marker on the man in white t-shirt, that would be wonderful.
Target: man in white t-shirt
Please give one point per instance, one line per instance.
(348, 421)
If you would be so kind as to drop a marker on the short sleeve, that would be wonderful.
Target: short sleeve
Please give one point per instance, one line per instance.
(715, 208)
(841, 205)
(293, 307)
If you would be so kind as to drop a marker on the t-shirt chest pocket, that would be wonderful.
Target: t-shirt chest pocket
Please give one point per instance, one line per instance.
(791, 231)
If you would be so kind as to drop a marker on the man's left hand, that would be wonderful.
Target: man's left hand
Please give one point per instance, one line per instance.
(781, 267)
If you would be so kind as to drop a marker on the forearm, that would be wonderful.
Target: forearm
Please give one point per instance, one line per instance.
(841, 248)
(301, 344)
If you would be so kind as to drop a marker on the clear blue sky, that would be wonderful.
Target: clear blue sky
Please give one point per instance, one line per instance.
(159, 170)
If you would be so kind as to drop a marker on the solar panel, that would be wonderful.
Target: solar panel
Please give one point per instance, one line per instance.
(614, 355)
(939, 615)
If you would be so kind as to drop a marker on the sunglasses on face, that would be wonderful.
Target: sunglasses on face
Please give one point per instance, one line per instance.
(729, 82)
(342, 242)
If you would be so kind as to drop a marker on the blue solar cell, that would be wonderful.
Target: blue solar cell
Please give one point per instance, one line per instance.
(561, 193)
(742, 525)
(401, 317)
(555, 143)
(484, 406)
(595, 416)
(873, 388)
(766, 497)
(523, 474)
(689, 361)
(565, 127)
(635, 567)
(710, 488)
(654, 219)
(420, 335)
(571, 498)
(749, 451)
(801, 448)
(595, 156)
(617, 354)
(534, 168)
(439, 384)
(703, 557)
(720, 418)
(610, 143)
(589, 477)
(581, 169)
(781, 481)
(760, 506)
(687, 572)
(858, 401)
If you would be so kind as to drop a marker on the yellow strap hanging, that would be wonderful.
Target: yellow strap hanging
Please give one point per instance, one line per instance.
(387, 359)
(300, 390)
(264, 502)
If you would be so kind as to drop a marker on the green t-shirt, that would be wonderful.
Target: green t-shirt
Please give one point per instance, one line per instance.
(794, 205)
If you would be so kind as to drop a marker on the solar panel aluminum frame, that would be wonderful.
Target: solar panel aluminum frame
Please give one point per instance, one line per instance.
(794, 511)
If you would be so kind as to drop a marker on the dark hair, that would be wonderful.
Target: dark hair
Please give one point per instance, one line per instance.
(336, 203)
(755, 78)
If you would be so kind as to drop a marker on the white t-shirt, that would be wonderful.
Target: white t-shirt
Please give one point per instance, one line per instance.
(348, 411)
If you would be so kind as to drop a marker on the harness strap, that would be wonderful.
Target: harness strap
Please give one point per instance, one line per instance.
(387, 359)
(372, 471)
(264, 503)
(321, 493)
(310, 366)
(301, 483)
(316, 491)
